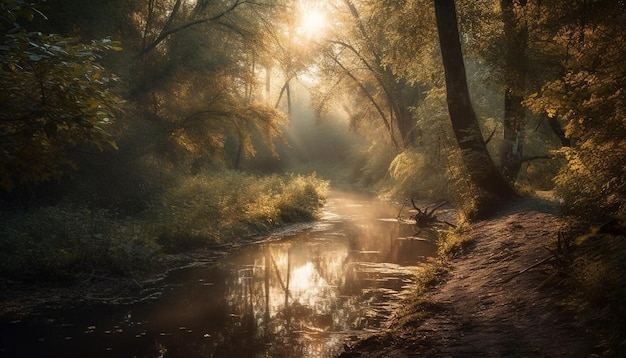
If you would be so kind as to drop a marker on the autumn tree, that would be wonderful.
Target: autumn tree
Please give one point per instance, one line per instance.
(493, 188)
(355, 59)
(586, 98)
(191, 77)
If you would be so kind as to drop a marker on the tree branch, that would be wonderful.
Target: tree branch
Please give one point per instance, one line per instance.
(167, 32)
(372, 100)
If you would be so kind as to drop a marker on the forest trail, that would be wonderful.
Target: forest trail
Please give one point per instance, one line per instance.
(483, 309)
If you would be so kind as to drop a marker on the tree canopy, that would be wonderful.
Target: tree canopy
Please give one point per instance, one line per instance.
(203, 82)
(56, 96)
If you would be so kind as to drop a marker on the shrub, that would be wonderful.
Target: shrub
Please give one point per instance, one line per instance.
(301, 197)
(592, 183)
(598, 275)
(219, 207)
(63, 241)
(415, 176)
(188, 214)
(68, 240)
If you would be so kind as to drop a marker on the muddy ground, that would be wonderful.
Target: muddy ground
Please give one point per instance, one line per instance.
(484, 307)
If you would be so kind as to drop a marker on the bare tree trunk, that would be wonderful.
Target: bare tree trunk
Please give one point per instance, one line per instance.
(480, 167)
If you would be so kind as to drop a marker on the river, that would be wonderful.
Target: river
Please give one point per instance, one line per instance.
(298, 294)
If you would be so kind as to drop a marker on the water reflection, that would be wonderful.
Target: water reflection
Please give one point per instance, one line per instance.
(302, 296)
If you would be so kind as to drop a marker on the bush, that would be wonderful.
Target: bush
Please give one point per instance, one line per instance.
(68, 240)
(220, 207)
(417, 177)
(301, 198)
(63, 241)
(592, 183)
(598, 275)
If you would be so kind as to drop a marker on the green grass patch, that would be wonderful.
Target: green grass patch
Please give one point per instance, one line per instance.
(451, 245)
(62, 241)
(72, 239)
(221, 207)
(419, 306)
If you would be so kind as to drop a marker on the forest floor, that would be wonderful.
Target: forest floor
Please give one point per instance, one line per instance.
(484, 307)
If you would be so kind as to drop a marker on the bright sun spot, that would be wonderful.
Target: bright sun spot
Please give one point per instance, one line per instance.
(313, 22)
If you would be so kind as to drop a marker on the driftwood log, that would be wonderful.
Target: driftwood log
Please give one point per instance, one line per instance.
(425, 217)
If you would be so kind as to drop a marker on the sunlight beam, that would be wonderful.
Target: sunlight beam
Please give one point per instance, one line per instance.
(312, 21)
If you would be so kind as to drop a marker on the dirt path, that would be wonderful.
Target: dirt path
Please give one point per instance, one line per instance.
(478, 312)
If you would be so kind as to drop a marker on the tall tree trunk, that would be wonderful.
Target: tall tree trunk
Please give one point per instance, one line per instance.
(515, 67)
(480, 167)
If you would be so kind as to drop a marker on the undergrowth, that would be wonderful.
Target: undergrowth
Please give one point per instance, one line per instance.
(71, 239)
(596, 273)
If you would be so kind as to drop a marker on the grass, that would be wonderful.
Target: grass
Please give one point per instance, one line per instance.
(419, 306)
(71, 239)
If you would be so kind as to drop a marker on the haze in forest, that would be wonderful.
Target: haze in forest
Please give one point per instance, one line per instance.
(157, 126)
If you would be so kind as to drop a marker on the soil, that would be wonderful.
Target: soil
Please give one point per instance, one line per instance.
(485, 307)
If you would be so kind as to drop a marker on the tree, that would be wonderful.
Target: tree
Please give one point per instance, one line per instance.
(484, 174)
(515, 68)
(191, 78)
(588, 98)
(56, 96)
(355, 59)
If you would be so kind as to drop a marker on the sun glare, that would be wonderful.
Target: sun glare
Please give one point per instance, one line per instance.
(313, 22)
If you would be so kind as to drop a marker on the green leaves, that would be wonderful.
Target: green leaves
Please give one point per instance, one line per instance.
(56, 97)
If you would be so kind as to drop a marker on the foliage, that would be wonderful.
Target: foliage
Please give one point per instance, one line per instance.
(201, 121)
(55, 97)
(199, 86)
(375, 168)
(301, 198)
(418, 177)
(591, 183)
(454, 244)
(589, 99)
(66, 240)
(353, 72)
(60, 242)
(218, 207)
(409, 28)
(597, 273)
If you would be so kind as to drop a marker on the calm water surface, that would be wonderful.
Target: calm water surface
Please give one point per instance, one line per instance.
(301, 295)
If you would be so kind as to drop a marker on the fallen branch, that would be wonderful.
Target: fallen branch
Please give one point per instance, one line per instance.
(563, 247)
(544, 260)
(426, 218)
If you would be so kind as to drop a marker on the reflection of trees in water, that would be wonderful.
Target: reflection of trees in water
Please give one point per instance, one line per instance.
(296, 297)
(286, 300)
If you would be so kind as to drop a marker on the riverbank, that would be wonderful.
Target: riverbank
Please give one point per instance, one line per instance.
(484, 306)
(21, 299)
